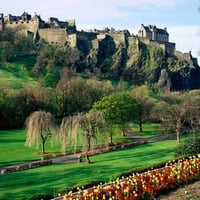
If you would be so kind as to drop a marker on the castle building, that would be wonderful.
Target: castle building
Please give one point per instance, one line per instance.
(153, 33)
(53, 31)
(64, 33)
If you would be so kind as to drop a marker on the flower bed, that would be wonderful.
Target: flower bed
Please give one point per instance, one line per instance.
(143, 186)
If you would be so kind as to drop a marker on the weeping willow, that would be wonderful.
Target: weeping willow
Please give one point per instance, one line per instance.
(85, 130)
(40, 126)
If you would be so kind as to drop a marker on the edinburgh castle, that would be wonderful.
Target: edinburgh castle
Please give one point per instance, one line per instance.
(65, 33)
(147, 56)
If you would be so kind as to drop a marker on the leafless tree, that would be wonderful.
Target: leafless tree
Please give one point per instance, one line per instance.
(179, 111)
(86, 128)
(40, 126)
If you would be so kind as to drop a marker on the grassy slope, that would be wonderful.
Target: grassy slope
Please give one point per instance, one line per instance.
(48, 179)
(15, 74)
(14, 80)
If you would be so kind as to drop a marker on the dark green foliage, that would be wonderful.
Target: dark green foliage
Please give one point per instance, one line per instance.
(51, 79)
(190, 146)
(15, 107)
(40, 197)
(119, 109)
(23, 44)
(6, 51)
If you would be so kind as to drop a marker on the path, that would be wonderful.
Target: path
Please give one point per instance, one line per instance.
(73, 158)
(138, 137)
(186, 192)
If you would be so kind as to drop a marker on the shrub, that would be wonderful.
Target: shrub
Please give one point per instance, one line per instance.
(190, 146)
(40, 196)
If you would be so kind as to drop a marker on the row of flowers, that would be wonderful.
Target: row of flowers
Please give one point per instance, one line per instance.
(142, 186)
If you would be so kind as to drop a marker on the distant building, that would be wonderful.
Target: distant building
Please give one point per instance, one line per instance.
(64, 33)
(153, 33)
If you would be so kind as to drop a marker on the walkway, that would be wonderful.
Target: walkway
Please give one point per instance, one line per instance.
(73, 158)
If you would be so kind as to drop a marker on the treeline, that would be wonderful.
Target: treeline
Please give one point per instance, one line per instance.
(178, 111)
(70, 96)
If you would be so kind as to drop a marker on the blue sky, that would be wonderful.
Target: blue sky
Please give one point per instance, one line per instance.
(181, 17)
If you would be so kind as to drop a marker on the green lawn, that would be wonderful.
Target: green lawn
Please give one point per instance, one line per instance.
(14, 80)
(149, 130)
(13, 150)
(50, 178)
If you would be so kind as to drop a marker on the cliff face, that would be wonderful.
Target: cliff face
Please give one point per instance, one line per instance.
(147, 58)
(121, 56)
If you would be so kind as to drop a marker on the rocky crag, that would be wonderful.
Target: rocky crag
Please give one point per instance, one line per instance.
(145, 58)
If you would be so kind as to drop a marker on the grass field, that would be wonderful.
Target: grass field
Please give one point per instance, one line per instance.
(14, 151)
(149, 130)
(48, 179)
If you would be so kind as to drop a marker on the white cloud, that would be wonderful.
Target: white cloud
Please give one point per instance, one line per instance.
(122, 14)
(83, 8)
(187, 38)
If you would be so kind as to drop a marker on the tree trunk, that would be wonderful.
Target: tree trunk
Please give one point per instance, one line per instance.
(178, 137)
(43, 144)
(87, 158)
(111, 139)
(178, 131)
(140, 123)
(111, 135)
(123, 130)
(88, 141)
(43, 149)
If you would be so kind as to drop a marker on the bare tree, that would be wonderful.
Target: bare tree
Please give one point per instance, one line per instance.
(86, 128)
(178, 111)
(40, 126)
(145, 102)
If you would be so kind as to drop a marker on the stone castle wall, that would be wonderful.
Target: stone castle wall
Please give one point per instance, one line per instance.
(118, 37)
(57, 36)
(133, 49)
(168, 47)
(66, 33)
(21, 25)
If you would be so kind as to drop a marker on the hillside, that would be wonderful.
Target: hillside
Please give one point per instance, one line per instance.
(14, 80)
(17, 73)
(147, 57)
(144, 62)
(132, 61)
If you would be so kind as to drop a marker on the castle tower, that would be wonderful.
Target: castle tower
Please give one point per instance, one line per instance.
(1, 22)
(153, 32)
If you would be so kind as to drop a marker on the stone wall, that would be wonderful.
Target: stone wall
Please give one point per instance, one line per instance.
(186, 56)
(22, 26)
(118, 37)
(168, 47)
(132, 50)
(57, 36)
